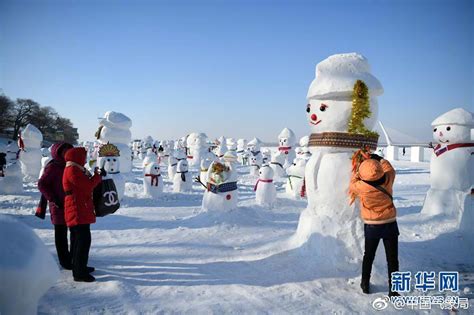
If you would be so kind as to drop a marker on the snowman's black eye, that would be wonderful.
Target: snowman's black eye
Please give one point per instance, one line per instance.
(308, 108)
(434, 130)
(115, 160)
(448, 128)
(323, 107)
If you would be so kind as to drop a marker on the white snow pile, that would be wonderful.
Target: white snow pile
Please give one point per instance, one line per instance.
(27, 269)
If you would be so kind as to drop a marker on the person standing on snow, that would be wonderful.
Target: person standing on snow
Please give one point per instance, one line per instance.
(372, 183)
(51, 187)
(78, 187)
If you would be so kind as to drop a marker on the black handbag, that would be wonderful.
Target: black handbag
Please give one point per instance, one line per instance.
(106, 199)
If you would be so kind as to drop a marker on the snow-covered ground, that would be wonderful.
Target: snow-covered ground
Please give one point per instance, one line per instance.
(166, 257)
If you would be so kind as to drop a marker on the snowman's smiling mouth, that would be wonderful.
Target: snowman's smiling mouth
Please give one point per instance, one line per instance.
(447, 141)
(315, 123)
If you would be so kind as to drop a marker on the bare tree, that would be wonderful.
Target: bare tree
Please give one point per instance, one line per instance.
(22, 113)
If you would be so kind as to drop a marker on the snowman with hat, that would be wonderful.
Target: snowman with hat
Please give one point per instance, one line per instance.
(109, 163)
(341, 111)
(452, 166)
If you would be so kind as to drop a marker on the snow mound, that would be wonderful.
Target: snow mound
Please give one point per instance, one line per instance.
(27, 269)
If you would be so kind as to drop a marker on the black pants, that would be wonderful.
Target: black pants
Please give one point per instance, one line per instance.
(81, 234)
(62, 248)
(373, 234)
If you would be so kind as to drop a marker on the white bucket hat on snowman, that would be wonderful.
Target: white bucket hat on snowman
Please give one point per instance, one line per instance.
(337, 74)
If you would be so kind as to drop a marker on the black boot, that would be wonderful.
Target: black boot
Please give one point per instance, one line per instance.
(87, 278)
(365, 285)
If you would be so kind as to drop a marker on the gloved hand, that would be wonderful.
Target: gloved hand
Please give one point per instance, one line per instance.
(103, 172)
(374, 156)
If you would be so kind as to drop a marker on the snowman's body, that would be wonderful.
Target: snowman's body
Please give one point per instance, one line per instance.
(152, 181)
(12, 182)
(115, 129)
(277, 164)
(330, 222)
(452, 165)
(221, 195)
(295, 178)
(287, 141)
(265, 191)
(182, 181)
(111, 164)
(30, 157)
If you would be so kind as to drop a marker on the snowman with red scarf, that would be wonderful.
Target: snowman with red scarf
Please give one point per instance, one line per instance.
(152, 180)
(452, 164)
(287, 141)
(265, 191)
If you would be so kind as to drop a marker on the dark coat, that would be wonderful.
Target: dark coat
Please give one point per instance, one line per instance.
(78, 187)
(51, 186)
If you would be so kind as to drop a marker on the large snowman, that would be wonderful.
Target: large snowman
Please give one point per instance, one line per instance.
(30, 156)
(330, 224)
(115, 128)
(221, 193)
(452, 166)
(286, 146)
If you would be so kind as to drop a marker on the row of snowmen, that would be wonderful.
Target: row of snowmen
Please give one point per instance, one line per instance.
(217, 168)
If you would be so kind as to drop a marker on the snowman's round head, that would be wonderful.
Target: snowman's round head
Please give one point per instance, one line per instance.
(299, 151)
(254, 145)
(111, 164)
(448, 134)
(453, 127)
(330, 94)
(153, 169)
(253, 160)
(182, 166)
(286, 138)
(265, 172)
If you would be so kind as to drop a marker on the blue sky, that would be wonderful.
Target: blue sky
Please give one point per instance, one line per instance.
(234, 68)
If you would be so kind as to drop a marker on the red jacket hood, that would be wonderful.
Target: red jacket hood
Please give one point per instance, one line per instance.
(77, 155)
(58, 148)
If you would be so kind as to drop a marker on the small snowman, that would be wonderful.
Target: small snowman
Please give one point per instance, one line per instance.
(12, 181)
(152, 181)
(46, 158)
(255, 164)
(220, 151)
(277, 161)
(287, 141)
(231, 144)
(13, 151)
(452, 165)
(254, 148)
(305, 152)
(150, 157)
(172, 164)
(266, 155)
(109, 160)
(241, 148)
(295, 178)
(265, 191)
(182, 181)
(30, 139)
(221, 193)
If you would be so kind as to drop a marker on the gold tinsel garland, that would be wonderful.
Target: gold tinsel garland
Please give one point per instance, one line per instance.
(360, 110)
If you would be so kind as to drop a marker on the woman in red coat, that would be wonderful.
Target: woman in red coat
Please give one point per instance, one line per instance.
(79, 213)
(50, 186)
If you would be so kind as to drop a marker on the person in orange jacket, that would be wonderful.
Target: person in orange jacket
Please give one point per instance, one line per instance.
(372, 184)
